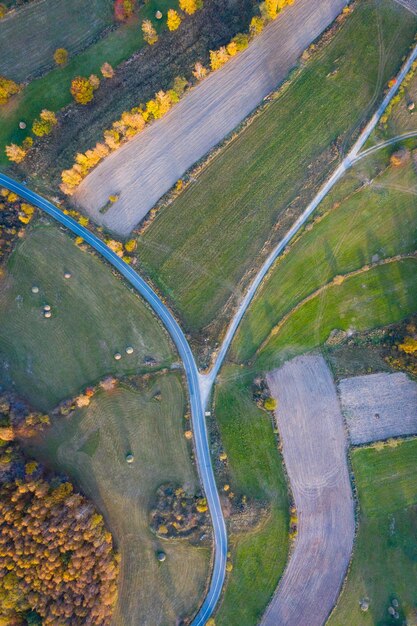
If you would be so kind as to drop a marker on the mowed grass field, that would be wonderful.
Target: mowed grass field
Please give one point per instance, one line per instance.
(375, 222)
(384, 565)
(52, 90)
(94, 315)
(29, 37)
(256, 471)
(91, 447)
(233, 207)
(383, 295)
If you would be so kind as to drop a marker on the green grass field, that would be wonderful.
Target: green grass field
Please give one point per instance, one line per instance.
(91, 447)
(41, 28)
(256, 470)
(383, 295)
(384, 563)
(379, 219)
(94, 316)
(234, 206)
(52, 90)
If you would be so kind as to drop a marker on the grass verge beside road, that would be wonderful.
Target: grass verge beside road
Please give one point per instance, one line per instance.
(91, 447)
(277, 162)
(384, 565)
(256, 470)
(93, 316)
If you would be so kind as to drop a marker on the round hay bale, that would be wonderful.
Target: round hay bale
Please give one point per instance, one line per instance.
(391, 611)
(35, 289)
(117, 356)
(158, 15)
(129, 350)
(47, 314)
(67, 275)
(22, 125)
(161, 556)
(395, 603)
(129, 458)
(47, 307)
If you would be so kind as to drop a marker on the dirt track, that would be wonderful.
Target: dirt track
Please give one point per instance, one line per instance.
(145, 168)
(379, 406)
(314, 448)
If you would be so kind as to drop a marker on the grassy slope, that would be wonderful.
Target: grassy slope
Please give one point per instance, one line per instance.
(46, 26)
(52, 91)
(91, 447)
(256, 470)
(381, 296)
(385, 557)
(94, 316)
(377, 220)
(234, 205)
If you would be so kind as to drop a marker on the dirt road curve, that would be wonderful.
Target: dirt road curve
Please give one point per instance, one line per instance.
(314, 448)
(145, 168)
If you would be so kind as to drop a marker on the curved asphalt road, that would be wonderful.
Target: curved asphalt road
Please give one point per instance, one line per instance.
(197, 408)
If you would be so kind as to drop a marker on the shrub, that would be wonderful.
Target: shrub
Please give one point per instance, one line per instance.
(7, 89)
(256, 26)
(107, 70)
(173, 20)
(81, 90)
(270, 404)
(149, 33)
(60, 56)
(94, 81)
(180, 85)
(3, 10)
(199, 71)
(218, 58)
(123, 9)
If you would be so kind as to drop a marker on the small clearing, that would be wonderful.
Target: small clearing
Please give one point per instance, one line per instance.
(149, 165)
(311, 428)
(379, 406)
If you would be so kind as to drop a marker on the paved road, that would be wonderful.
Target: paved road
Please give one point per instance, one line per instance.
(197, 408)
(150, 164)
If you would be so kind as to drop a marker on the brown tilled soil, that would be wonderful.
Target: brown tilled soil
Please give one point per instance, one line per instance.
(311, 428)
(379, 406)
(145, 168)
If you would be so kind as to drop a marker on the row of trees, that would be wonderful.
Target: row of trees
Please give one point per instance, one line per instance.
(57, 562)
(133, 122)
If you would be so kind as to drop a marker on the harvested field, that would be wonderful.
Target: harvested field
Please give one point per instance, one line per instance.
(30, 36)
(314, 448)
(379, 406)
(145, 168)
(91, 447)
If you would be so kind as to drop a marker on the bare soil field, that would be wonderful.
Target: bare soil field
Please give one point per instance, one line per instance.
(379, 406)
(145, 168)
(311, 428)
(29, 36)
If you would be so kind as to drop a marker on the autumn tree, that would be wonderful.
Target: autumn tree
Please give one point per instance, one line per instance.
(180, 85)
(82, 90)
(190, 6)
(173, 19)
(3, 10)
(94, 81)
(199, 71)
(61, 56)
(44, 124)
(149, 32)
(15, 153)
(123, 9)
(241, 40)
(256, 26)
(218, 58)
(7, 89)
(107, 70)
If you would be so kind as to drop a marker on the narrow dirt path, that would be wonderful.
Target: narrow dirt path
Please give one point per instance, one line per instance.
(311, 428)
(147, 167)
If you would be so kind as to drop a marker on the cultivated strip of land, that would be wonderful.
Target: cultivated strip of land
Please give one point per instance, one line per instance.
(314, 448)
(145, 168)
(379, 406)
